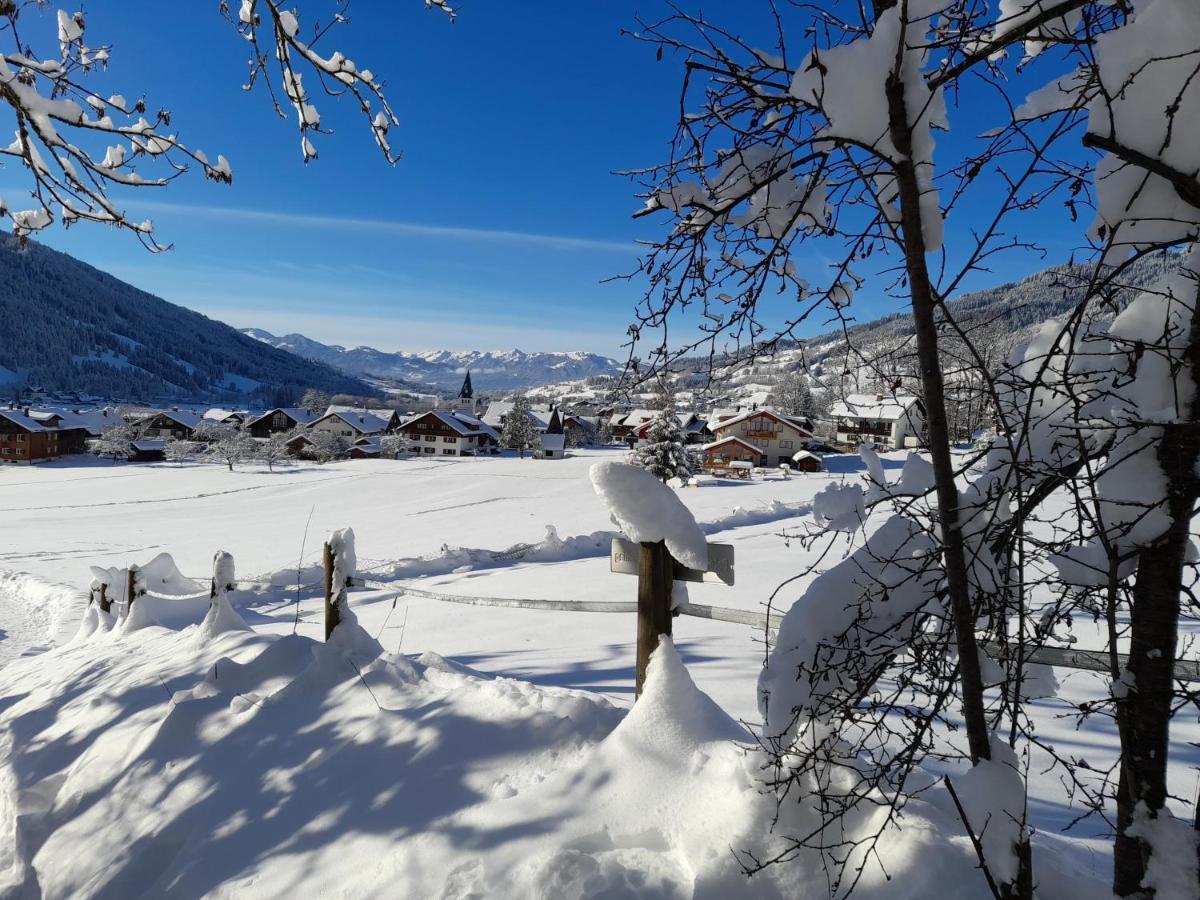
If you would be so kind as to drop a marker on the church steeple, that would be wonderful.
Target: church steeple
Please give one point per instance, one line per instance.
(467, 392)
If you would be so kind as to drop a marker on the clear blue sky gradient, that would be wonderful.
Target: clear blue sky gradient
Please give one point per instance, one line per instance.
(495, 230)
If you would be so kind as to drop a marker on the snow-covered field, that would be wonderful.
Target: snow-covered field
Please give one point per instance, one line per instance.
(486, 753)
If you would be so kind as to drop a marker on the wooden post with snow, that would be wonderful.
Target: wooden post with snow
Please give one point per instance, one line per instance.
(105, 604)
(656, 569)
(130, 587)
(331, 610)
(339, 559)
(223, 579)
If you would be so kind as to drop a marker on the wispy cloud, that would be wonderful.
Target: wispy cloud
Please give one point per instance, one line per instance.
(391, 226)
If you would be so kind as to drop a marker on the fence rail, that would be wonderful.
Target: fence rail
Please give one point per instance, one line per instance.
(1063, 657)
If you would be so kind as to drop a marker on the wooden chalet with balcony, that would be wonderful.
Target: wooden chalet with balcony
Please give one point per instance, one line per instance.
(280, 419)
(730, 456)
(775, 436)
(168, 424)
(891, 422)
(25, 440)
(442, 432)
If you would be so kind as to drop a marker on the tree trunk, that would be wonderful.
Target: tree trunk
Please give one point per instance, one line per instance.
(924, 306)
(1154, 623)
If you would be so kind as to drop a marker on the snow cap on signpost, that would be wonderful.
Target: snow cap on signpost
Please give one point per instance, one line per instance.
(648, 511)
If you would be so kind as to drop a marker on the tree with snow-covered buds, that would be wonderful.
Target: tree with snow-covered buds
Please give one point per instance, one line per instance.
(115, 442)
(234, 448)
(663, 453)
(780, 154)
(179, 451)
(324, 446)
(518, 432)
(275, 448)
(604, 434)
(209, 432)
(78, 143)
(392, 445)
(792, 395)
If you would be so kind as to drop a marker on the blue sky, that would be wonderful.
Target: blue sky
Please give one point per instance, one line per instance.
(495, 230)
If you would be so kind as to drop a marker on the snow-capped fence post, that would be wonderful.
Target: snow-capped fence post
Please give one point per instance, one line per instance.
(339, 561)
(131, 586)
(223, 580)
(656, 569)
(330, 606)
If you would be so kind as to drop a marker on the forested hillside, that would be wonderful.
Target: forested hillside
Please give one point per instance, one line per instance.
(69, 326)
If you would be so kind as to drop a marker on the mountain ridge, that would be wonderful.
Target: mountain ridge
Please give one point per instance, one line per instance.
(69, 326)
(499, 370)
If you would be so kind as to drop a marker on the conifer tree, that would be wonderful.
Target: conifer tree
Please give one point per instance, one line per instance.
(663, 453)
(518, 432)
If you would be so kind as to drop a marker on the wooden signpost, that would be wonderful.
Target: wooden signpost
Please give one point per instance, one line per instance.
(656, 569)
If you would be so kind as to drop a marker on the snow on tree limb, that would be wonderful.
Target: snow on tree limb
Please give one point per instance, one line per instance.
(79, 145)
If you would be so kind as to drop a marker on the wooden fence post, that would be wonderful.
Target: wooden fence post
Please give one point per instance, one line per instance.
(222, 577)
(656, 568)
(331, 607)
(105, 603)
(130, 588)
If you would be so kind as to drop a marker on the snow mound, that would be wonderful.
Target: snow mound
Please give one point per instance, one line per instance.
(647, 511)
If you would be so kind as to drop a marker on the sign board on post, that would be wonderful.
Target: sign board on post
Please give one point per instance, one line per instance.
(626, 555)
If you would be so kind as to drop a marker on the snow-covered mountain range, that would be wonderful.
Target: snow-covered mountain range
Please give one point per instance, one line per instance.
(490, 370)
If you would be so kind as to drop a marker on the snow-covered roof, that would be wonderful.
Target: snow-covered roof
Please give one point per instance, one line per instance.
(554, 441)
(380, 412)
(876, 407)
(362, 422)
(636, 417)
(21, 420)
(219, 414)
(299, 414)
(498, 409)
(93, 421)
(742, 417)
(369, 445)
(185, 418)
(149, 444)
(804, 454)
(730, 439)
(463, 423)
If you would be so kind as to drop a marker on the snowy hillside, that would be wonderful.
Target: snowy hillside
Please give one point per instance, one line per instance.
(493, 370)
(67, 326)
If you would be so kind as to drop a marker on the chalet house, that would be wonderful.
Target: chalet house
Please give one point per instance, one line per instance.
(776, 437)
(78, 426)
(498, 411)
(391, 417)
(233, 417)
(168, 424)
(730, 454)
(893, 422)
(695, 429)
(353, 425)
(580, 429)
(626, 425)
(25, 440)
(280, 419)
(441, 432)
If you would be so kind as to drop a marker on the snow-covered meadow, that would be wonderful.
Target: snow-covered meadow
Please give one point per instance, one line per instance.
(443, 750)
